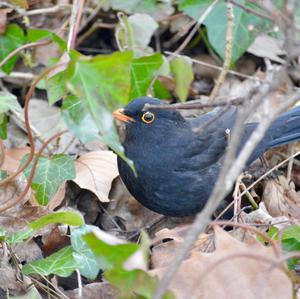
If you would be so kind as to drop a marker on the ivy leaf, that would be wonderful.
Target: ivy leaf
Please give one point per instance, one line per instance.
(60, 263)
(77, 118)
(50, 173)
(143, 71)
(83, 254)
(134, 282)
(103, 84)
(215, 22)
(69, 218)
(14, 37)
(182, 69)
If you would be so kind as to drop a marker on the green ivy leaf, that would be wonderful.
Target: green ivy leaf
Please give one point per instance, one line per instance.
(68, 217)
(143, 70)
(134, 282)
(50, 173)
(109, 256)
(3, 126)
(182, 69)
(34, 35)
(60, 263)
(88, 265)
(216, 25)
(103, 84)
(77, 118)
(56, 89)
(12, 39)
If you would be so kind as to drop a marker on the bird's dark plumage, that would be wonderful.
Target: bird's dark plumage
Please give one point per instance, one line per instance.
(177, 167)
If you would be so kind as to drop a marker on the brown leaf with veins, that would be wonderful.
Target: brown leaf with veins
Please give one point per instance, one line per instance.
(95, 172)
(234, 270)
(280, 199)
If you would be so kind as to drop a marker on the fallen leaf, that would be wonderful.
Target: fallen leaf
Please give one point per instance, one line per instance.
(3, 19)
(95, 172)
(95, 290)
(266, 46)
(13, 158)
(215, 275)
(280, 199)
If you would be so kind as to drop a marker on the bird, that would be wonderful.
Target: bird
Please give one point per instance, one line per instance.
(177, 166)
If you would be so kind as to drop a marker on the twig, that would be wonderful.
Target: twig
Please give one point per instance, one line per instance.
(9, 204)
(218, 68)
(27, 124)
(250, 10)
(196, 27)
(227, 60)
(46, 10)
(18, 75)
(2, 146)
(29, 45)
(233, 102)
(76, 14)
(79, 284)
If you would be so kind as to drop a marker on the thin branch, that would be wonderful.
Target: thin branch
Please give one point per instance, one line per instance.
(233, 102)
(26, 46)
(2, 146)
(9, 204)
(218, 68)
(76, 14)
(227, 60)
(196, 27)
(250, 10)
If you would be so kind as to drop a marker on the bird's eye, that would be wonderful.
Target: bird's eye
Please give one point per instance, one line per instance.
(148, 117)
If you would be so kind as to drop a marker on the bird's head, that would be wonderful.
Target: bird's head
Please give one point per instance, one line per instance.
(140, 120)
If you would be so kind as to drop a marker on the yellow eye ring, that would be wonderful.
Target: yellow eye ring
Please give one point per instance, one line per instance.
(148, 117)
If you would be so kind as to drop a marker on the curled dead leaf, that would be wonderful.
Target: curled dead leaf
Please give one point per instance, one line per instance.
(95, 172)
(234, 270)
(280, 199)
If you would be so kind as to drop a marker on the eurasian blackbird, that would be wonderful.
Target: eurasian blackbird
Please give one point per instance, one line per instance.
(178, 167)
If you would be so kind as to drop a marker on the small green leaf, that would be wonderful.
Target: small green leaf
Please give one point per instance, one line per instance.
(194, 8)
(133, 282)
(84, 256)
(143, 70)
(68, 217)
(60, 263)
(3, 126)
(109, 256)
(182, 69)
(21, 3)
(50, 173)
(11, 40)
(34, 35)
(160, 91)
(77, 118)
(103, 84)
(3, 235)
(56, 89)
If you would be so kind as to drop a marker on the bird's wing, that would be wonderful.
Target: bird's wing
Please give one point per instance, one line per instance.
(208, 145)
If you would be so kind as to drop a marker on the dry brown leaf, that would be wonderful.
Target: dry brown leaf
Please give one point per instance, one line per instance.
(204, 276)
(13, 158)
(3, 19)
(167, 241)
(280, 199)
(95, 290)
(95, 172)
(58, 198)
(266, 46)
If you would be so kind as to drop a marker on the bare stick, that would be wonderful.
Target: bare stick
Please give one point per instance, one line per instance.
(218, 68)
(77, 10)
(227, 60)
(196, 27)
